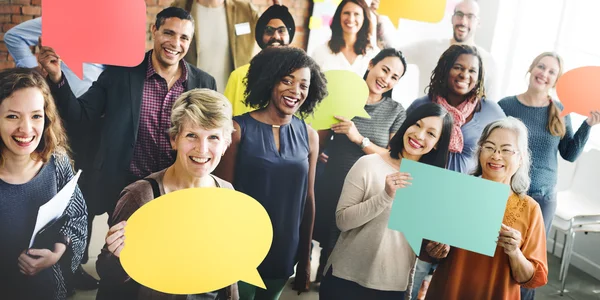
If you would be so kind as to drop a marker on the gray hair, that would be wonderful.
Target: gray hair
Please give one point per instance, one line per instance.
(205, 108)
(520, 181)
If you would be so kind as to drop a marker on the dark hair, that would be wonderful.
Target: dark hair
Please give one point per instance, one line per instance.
(438, 85)
(54, 137)
(172, 12)
(387, 52)
(436, 157)
(269, 66)
(363, 36)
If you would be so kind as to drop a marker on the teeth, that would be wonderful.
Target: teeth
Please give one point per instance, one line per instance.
(171, 51)
(290, 99)
(200, 160)
(414, 143)
(24, 140)
(495, 165)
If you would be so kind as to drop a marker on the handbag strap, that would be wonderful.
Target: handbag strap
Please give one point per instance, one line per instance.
(155, 188)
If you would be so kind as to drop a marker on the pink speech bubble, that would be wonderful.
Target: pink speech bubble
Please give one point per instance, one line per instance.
(111, 32)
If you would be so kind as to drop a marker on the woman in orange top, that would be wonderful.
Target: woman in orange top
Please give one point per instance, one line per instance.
(520, 258)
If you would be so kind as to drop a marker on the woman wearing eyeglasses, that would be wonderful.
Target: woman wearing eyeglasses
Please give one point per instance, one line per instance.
(549, 134)
(350, 47)
(520, 257)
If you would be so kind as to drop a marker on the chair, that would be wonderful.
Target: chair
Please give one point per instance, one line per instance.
(578, 208)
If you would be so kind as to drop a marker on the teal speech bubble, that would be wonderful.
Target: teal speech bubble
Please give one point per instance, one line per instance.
(452, 208)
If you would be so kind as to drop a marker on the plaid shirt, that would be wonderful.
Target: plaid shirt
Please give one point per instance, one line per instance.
(152, 151)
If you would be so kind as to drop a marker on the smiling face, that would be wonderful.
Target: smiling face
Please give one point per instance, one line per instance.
(21, 122)
(463, 75)
(465, 21)
(421, 137)
(276, 34)
(499, 157)
(291, 91)
(544, 74)
(384, 75)
(172, 40)
(352, 18)
(199, 150)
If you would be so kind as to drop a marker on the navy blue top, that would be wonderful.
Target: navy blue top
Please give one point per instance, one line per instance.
(18, 214)
(543, 145)
(465, 161)
(279, 181)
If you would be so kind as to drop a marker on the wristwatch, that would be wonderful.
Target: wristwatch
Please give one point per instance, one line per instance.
(365, 143)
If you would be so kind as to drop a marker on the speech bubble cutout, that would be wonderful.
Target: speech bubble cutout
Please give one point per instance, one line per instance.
(576, 90)
(463, 211)
(109, 32)
(197, 240)
(431, 11)
(347, 96)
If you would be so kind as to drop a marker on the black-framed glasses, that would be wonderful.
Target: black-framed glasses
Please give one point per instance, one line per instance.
(459, 15)
(270, 31)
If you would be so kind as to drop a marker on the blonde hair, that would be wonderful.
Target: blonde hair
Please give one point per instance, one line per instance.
(556, 124)
(206, 108)
(54, 137)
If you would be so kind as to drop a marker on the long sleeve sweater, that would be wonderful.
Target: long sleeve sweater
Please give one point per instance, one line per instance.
(544, 146)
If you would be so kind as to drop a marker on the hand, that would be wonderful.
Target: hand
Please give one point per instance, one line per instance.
(115, 238)
(32, 261)
(348, 128)
(437, 250)
(302, 281)
(510, 240)
(594, 118)
(323, 157)
(50, 62)
(395, 181)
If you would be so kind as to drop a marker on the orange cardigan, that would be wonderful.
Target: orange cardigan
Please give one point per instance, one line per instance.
(468, 275)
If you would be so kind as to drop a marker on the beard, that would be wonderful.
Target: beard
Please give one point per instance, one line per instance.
(273, 41)
(460, 39)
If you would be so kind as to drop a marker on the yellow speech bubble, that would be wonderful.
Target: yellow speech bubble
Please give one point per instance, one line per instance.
(181, 243)
(347, 96)
(431, 11)
(315, 23)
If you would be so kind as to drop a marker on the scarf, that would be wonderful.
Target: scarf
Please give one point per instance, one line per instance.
(460, 115)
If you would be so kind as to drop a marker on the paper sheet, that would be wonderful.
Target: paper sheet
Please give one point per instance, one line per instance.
(54, 208)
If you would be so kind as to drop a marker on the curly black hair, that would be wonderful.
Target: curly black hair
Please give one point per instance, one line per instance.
(438, 85)
(269, 66)
(363, 36)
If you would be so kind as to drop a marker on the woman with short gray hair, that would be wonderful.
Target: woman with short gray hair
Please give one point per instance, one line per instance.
(520, 258)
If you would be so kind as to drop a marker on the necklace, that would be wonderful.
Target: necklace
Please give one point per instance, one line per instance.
(168, 84)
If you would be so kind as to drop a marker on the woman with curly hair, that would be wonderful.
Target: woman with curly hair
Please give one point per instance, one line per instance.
(350, 46)
(457, 83)
(273, 157)
(34, 166)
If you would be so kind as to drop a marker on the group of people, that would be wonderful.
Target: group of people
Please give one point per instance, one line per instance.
(164, 127)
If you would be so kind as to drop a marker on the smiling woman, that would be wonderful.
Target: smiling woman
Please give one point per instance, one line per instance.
(34, 166)
(273, 158)
(200, 133)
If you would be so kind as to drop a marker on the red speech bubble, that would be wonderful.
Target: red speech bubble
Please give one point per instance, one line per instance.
(577, 90)
(111, 32)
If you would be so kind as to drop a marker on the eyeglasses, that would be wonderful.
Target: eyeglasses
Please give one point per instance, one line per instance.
(505, 152)
(282, 30)
(460, 15)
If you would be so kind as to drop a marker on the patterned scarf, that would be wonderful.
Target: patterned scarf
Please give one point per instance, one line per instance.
(460, 115)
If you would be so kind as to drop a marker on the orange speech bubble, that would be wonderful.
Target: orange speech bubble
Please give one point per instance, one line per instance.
(111, 32)
(431, 11)
(576, 90)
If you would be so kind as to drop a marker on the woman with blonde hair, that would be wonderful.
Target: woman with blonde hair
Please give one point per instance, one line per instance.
(549, 134)
(34, 166)
(200, 133)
